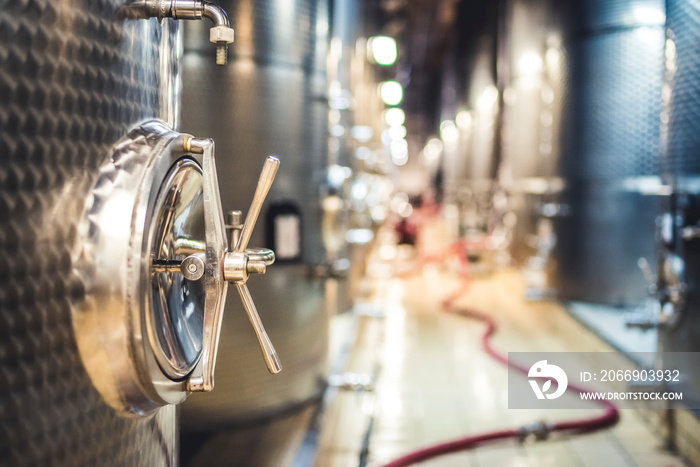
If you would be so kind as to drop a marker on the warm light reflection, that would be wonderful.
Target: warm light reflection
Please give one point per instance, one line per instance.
(432, 150)
(487, 99)
(359, 236)
(397, 132)
(399, 151)
(362, 133)
(448, 131)
(337, 174)
(552, 57)
(464, 119)
(530, 63)
(383, 50)
(394, 116)
(391, 92)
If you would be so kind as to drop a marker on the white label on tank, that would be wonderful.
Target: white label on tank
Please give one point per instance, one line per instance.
(287, 241)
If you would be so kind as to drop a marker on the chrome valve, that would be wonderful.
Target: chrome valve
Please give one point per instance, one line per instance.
(223, 266)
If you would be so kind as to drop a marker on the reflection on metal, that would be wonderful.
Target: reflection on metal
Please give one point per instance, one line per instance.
(75, 78)
(612, 70)
(132, 358)
(220, 34)
(352, 382)
(176, 300)
(470, 117)
(668, 294)
(532, 114)
(148, 328)
(258, 267)
(680, 250)
(268, 100)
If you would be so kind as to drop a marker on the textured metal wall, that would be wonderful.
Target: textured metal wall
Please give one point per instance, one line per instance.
(683, 63)
(269, 100)
(681, 162)
(609, 150)
(73, 79)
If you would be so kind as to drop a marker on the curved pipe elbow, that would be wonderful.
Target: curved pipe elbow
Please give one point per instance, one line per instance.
(216, 14)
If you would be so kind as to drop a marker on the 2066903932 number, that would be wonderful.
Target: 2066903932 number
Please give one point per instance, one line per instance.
(640, 375)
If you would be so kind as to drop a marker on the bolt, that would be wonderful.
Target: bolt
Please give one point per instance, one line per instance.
(192, 267)
(234, 218)
(256, 267)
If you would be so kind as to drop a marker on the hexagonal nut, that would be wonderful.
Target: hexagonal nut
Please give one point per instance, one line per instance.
(221, 34)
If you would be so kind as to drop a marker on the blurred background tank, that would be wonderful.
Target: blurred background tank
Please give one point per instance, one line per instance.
(345, 30)
(679, 268)
(531, 65)
(469, 125)
(270, 99)
(608, 163)
(74, 78)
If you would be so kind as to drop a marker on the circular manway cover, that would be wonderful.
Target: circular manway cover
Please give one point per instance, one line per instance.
(176, 309)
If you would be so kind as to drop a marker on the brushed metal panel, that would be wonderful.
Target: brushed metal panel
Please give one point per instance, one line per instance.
(269, 100)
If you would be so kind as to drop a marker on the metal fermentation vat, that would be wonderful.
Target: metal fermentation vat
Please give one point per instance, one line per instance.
(680, 164)
(531, 65)
(74, 78)
(604, 220)
(470, 98)
(268, 100)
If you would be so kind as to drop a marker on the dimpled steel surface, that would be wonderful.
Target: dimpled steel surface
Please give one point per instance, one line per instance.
(684, 107)
(610, 143)
(682, 161)
(73, 79)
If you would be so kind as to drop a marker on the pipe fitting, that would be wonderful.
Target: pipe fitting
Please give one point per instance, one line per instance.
(221, 33)
(539, 431)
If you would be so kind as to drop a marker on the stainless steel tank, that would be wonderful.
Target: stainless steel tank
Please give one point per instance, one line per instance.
(604, 220)
(470, 106)
(74, 78)
(270, 99)
(531, 63)
(679, 270)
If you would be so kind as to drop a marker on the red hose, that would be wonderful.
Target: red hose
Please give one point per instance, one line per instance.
(587, 425)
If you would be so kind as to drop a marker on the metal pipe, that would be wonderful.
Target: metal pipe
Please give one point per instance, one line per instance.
(221, 33)
(216, 14)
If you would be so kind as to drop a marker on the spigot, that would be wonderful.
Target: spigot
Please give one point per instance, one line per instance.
(221, 266)
(220, 34)
(667, 292)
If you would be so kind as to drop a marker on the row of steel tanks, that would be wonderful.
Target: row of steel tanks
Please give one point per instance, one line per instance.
(110, 311)
(553, 131)
(595, 155)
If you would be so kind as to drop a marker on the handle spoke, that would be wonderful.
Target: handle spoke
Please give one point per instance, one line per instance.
(269, 353)
(264, 183)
